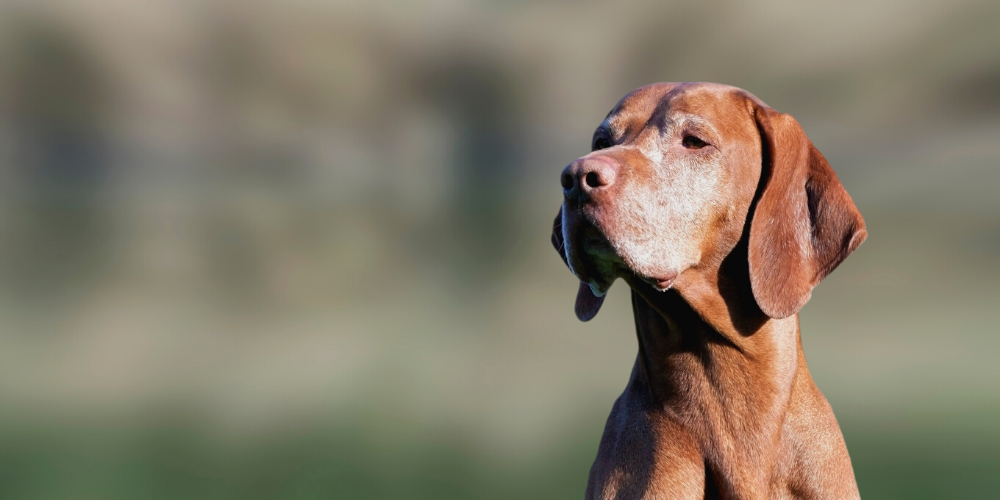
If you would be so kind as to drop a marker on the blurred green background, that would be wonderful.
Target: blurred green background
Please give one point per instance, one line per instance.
(300, 249)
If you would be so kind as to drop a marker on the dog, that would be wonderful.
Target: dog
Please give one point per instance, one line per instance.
(721, 216)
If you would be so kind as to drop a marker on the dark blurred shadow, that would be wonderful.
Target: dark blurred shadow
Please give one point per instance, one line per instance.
(55, 104)
(478, 94)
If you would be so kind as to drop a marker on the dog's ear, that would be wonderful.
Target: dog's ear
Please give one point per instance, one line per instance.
(587, 304)
(805, 223)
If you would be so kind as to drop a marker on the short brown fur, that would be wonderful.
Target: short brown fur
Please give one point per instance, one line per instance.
(720, 403)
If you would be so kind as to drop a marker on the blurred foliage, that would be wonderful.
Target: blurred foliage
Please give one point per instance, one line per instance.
(300, 250)
(172, 461)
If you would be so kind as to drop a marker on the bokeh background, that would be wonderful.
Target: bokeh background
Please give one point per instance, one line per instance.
(300, 249)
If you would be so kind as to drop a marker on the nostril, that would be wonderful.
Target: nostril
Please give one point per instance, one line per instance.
(593, 180)
(567, 180)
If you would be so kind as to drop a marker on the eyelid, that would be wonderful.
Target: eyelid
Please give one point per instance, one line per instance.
(602, 134)
(692, 141)
(697, 134)
(696, 126)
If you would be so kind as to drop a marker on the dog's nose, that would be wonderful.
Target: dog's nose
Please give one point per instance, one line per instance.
(585, 176)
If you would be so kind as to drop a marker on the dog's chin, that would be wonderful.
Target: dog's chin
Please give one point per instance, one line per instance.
(659, 277)
(599, 265)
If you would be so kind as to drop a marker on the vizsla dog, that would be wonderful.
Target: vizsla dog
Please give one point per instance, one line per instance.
(721, 216)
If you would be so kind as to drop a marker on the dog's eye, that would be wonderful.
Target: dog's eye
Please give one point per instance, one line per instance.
(601, 143)
(692, 142)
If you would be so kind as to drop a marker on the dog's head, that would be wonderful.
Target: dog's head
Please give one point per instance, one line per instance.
(667, 189)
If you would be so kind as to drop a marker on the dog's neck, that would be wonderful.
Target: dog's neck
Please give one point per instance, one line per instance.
(707, 327)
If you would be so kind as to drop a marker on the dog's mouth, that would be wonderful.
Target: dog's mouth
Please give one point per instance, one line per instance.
(589, 253)
(593, 258)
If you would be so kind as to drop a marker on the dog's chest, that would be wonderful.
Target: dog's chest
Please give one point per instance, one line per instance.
(644, 456)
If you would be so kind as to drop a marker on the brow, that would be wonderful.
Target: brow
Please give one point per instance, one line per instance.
(694, 121)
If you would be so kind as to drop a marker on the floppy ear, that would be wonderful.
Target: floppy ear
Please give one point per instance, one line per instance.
(587, 304)
(805, 223)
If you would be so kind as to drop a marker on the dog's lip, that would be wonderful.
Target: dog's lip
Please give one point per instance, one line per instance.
(662, 283)
(582, 244)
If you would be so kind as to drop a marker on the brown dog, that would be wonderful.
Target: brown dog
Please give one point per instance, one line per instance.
(721, 216)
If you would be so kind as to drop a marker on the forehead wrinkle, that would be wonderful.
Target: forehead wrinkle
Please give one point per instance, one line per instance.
(626, 120)
(661, 116)
(630, 109)
(697, 121)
